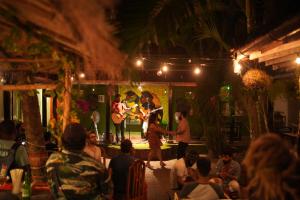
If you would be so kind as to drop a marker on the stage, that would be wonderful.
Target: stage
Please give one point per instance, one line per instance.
(141, 148)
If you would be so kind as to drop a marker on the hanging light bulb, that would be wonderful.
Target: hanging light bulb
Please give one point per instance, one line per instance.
(165, 68)
(159, 73)
(139, 62)
(140, 88)
(237, 67)
(93, 89)
(297, 60)
(81, 75)
(197, 71)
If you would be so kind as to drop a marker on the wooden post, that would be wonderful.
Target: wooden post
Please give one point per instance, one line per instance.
(67, 97)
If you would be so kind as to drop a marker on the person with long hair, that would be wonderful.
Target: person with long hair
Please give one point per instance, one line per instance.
(271, 170)
(154, 133)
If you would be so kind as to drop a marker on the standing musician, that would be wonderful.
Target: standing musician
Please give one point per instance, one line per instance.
(146, 108)
(119, 109)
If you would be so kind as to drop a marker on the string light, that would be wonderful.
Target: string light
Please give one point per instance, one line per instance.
(93, 89)
(190, 60)
(140, 88)
(237, 67)
(72, 78)
(197, 71)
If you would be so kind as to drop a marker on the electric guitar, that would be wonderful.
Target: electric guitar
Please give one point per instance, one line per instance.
(146, 114)
(117, 118)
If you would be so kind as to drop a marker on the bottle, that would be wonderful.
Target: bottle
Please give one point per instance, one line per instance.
(26, 188)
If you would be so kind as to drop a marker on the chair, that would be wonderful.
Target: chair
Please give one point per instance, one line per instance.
(136, 187)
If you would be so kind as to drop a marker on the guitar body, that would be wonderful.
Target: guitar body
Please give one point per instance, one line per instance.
(117, 118)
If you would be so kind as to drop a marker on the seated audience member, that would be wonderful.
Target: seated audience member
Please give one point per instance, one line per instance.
(8, 196)
(119, 168)
(50, 146)
(12, 154)
(272, 171)
(71, 173)
(180, 171)
(91, 147)
(233, 190)
(228, 169)
(202, 188)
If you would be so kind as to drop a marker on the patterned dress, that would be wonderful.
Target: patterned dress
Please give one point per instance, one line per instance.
(154, 134)
(75, 176)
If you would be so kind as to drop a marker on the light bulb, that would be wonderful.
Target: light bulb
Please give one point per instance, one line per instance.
(159, 73)
(139, 62)
(297, 60)
(197, 70)
(237, 67)
(165, 68)
(81, 75)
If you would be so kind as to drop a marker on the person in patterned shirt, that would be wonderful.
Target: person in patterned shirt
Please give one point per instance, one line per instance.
(72, 174)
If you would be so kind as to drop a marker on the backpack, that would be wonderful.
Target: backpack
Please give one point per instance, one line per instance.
(7, 157)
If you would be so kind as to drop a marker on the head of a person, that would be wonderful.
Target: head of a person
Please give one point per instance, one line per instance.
(203, 166)
(268, 163)
(152, 118)
(73, 138)
(190, 158)
(226, 155)
(8, 130)
(126, 146)
(8, 196)
(91, 137)
(183, 114)
(118, 97)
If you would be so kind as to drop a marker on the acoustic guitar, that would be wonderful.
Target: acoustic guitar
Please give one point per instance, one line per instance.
(117, 118)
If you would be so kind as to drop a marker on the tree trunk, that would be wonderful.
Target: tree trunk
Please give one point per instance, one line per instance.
(34, 137)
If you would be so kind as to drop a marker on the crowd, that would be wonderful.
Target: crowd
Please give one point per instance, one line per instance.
(269, 171)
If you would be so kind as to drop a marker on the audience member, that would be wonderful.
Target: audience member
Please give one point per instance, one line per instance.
(71, 173)
(91, 147)
(228, 169)
(271, 170)
(8, 196)
(119, 168)
(202, 188)
(153, 134)
(180, 171)
(12, 154)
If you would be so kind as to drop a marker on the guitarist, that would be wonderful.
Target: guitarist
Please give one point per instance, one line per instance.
(119, 108)
(146, 108)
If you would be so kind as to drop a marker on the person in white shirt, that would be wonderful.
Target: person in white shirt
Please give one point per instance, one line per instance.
(183, 135)
(182, 170)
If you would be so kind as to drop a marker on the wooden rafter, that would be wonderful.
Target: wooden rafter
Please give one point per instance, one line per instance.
(25, 60)
(28, 87)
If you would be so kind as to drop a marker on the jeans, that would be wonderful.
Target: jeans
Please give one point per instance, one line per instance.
(119, 131)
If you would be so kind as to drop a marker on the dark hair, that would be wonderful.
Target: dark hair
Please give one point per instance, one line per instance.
(152, 118)
(191, 157)
(8, 129)
(8, 196)
(73, 137)
(227, 151)
(204, 166)
(184, 113)
(126, 146)
(117, 96)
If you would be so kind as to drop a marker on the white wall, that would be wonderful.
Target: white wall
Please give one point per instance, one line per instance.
(281, 105)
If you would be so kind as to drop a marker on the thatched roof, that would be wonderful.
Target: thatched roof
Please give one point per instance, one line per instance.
(79, 25)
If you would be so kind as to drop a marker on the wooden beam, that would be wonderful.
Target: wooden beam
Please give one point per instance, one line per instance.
(49, 86)
(25, 60)
(279, 60)
(279, 54)
(113, 82)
